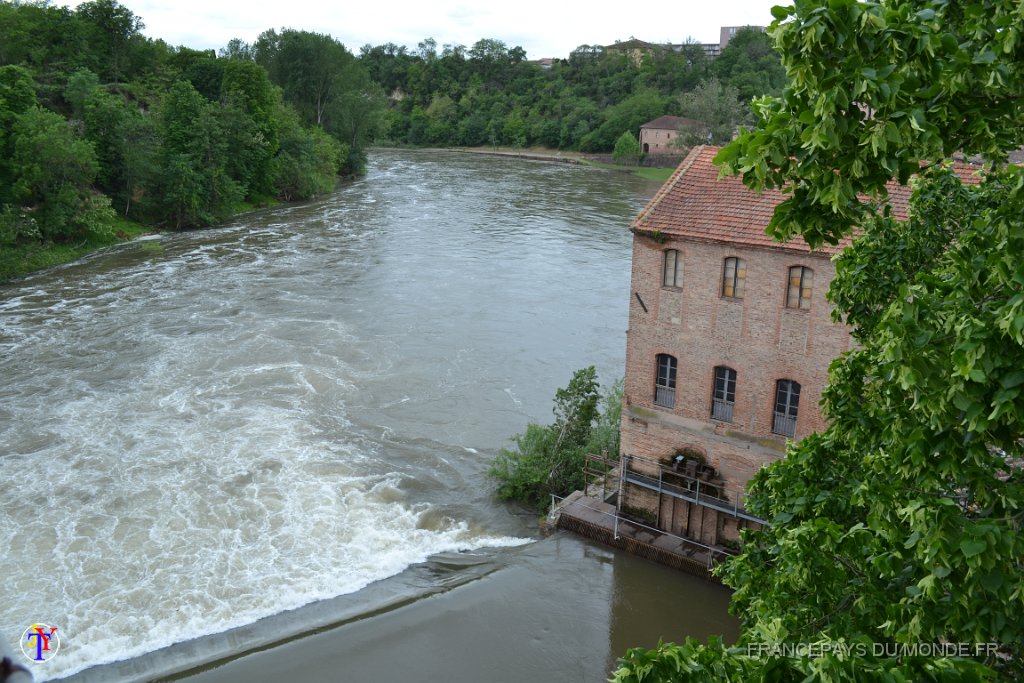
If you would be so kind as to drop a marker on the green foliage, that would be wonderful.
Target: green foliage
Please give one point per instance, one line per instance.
(901, 523)
(874, 89)
(169, 136)
(717, 110)
(308, 161)
(750, 65)
(584, 102)
(627, 150)
(52, 176)
(549, 459)
(327, 86)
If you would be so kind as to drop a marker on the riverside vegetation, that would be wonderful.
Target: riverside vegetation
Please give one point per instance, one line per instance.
(99, 125)
(548, 459)
(105, 133)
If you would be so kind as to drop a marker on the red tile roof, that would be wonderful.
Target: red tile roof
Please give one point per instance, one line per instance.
(670, 123)
(695, 204)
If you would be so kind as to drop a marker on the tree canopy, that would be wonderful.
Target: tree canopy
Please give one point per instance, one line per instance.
(549, 459)
(489, 94)
(98, 120)
(894, 546)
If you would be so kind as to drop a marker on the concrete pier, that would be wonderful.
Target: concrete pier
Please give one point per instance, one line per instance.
(593, 518)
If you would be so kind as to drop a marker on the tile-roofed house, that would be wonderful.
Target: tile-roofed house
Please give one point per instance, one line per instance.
(658, 136)
(727, 353)
(694, 203)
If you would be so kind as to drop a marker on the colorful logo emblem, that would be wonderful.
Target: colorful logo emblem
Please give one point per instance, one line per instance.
(40, 642)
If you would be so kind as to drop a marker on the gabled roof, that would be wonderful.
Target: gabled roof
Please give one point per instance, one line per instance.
(669, 123)
(632, 44)
(695, 204)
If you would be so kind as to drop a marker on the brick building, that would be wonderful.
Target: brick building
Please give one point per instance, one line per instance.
(729, 342)
(659, 136)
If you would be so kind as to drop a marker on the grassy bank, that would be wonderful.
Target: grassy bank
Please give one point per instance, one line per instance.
(22, 259)
(18, 260)
(659, 174)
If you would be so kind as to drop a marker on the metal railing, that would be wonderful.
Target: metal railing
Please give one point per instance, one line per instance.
(709, 493)
(784, 424)
(721, 410)
(664, 397)
(713, 554)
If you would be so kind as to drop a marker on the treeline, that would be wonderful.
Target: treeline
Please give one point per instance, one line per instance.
(490, 94)
(97, 120)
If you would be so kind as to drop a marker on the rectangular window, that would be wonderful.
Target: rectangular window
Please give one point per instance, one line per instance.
(787, 403)
(665, 383)
(801, 282)
(724, 397)
(673, 272)
(734, 275)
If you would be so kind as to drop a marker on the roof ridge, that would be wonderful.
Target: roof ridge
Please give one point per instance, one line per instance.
(665, 189)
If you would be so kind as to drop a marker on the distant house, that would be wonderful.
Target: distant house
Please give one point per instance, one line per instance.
(727, 353)
(658, 136)
(635, 49)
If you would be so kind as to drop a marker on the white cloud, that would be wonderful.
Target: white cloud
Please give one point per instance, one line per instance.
(544, 28)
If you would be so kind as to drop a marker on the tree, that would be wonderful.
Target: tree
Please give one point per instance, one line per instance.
(750, 65)
(52, 174)
(549, 459)
(717, 110)
(196, 187)
(901, 523)
(628, 115)
(112, 30)
(327, 86)
(627, 150)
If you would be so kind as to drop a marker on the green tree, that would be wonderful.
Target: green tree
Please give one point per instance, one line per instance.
(327, 86)
(196, 188)
(901, 523)
(249, 105)
(112, 30)
(52, 174)
(627, 150)
(549, 459)
(627, 115)
(750, 65)
(717, 110)
(308, 159)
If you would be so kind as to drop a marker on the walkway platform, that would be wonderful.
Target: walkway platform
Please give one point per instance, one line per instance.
(595, 519)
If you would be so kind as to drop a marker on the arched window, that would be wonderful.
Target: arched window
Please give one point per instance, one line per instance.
(665, 381)
(734, 275)
(723, 399)
(801, 281)
(787, 403)
(673, 271)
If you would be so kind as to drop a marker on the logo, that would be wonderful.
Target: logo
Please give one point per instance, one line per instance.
(40, 642)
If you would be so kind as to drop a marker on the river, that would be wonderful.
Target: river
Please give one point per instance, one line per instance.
(202, 432)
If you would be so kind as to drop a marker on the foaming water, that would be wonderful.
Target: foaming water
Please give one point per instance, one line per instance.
(207, 429)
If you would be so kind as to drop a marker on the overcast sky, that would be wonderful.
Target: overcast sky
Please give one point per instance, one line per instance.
(544, 28)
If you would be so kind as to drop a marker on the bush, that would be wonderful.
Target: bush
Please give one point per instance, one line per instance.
(549, 459)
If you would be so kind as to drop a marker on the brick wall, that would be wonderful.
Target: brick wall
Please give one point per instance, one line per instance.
(757, 336)
(658, 141)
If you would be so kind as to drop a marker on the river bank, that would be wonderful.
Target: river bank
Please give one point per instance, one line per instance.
(22, 260)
